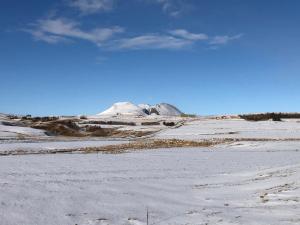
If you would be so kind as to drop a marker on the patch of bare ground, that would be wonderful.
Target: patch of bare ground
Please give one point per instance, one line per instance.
(152, 144)
(69, 128)
(122, 148)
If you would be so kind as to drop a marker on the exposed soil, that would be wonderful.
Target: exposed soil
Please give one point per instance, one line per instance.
(151, 144)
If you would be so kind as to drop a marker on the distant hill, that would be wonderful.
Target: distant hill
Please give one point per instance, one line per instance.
(129, 109)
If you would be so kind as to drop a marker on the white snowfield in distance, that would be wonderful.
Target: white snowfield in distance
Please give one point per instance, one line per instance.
(234, 128)
(129, 109)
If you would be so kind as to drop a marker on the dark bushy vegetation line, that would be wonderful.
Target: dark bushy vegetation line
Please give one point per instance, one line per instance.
(270, 116)
(150, 123)
(40, 119)
(168, 124)
(188, 115)
(109, 123)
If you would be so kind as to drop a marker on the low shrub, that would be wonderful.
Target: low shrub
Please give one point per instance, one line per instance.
(188, 115)
(83, 117)
(12, 117)
(150, 123)
(169, 124)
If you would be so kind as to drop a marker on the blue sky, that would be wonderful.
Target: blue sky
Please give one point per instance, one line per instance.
(69, 57)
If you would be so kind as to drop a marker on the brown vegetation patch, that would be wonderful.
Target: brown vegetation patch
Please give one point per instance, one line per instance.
(71, 129)
(168, 124)
(121, 148)
(110, 122)
(151, 144)
(60, 127)
(150, 123)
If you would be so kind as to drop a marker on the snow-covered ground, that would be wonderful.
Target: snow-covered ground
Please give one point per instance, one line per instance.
(220, 185)
(237, 183)
(234, 128)
(15, 132)
(45, 146)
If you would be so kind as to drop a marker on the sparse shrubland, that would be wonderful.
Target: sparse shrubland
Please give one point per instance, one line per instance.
(40, 119)
(270, 116)
(109, 122)
(150, 123)
(188, 115)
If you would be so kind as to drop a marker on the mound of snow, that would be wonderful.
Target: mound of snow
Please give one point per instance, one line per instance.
(123, 108)
(165, 109)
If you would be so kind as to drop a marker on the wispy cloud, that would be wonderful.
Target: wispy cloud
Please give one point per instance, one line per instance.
(60, 29)
(49, 38)
(55, 30)
(188, 35)
(222, 40)
(173, 7)
(150, 41)
(91, 6)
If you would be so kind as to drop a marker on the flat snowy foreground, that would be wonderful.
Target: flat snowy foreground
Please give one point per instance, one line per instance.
(44, 146)
(252, 183)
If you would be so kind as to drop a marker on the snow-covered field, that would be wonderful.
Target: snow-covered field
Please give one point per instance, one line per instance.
(242, 183)
(44, 146)
(234, 128)
(15, 132)
(219, 185)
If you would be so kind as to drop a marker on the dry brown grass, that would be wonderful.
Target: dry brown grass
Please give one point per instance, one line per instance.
(122, 148)
(70, 128)
(151, 144)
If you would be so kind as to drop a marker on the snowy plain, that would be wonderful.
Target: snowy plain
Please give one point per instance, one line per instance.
(245, 182)
(44, 146)
(178, 186)
(234, 128)
(15, 132)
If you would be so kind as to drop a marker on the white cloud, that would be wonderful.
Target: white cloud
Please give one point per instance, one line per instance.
(222, 40)
(151, 41)
(56, 30)
(91, 6)
(188, 35)
(173, 7)
(170, 7)
(41, 36)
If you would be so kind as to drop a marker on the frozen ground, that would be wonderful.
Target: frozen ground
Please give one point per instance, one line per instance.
(44, 146)
(15, 132)
(234, 128)
(248, 185)
(237, 183)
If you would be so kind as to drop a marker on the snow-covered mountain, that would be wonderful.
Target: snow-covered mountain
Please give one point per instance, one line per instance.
(129, 109)
(123, 108)
(165, 109)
